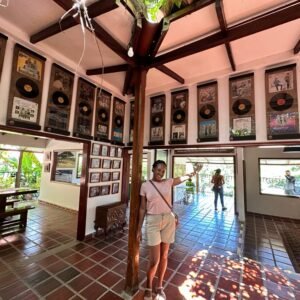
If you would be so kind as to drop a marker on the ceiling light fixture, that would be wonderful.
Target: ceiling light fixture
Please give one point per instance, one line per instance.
(130, 52)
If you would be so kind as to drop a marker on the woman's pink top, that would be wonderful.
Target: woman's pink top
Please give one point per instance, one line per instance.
(154, 203)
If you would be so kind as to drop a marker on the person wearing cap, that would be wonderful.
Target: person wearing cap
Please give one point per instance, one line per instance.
(218, 182)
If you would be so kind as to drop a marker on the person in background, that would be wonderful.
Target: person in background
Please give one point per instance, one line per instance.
(190, 189)
(218, 182)
(160, 223)
(289, 187)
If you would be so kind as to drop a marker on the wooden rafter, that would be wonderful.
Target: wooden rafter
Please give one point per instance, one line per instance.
(223, 27)
(297, 48)
(170, 73)
(106, 70)
(272, 19)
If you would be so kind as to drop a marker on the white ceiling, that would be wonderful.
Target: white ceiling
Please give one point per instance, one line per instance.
(30, 16)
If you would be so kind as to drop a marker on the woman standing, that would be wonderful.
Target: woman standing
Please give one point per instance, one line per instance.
(218, 181)
(160, 223)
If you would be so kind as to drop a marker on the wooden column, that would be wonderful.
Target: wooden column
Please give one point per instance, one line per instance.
(131, 281)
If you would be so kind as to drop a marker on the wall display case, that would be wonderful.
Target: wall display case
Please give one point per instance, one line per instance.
(117, 130)
(157, 120)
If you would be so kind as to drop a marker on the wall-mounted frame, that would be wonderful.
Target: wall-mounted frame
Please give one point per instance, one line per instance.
(3, 40)
(106, 163)
(104, 150)
(105, 176)
(207, 100)
(119, 152)
(157, 120)
(95, 177)
(115, 188)
(95, 163)
(94, 191)
(112, 151)
(47, 155)
(104, 190)
(47, 167)
(115, 176)
(282, 103)
(117, 130)
(116, 164)
(96, 148)
(79, 166)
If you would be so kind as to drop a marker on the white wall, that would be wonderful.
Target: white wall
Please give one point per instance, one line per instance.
(281, 206)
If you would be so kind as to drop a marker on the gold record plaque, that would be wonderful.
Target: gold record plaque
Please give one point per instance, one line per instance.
(84, 109)
(282, 103)
(131, 123)
(102, 117)
(26, 87)
(117, 130)
(3, 40)
(157, 120)
(207, 98)
(59, 100)
(179, 117)
(242, 107)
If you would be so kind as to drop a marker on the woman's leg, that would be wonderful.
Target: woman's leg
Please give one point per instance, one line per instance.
(216, 199)
(153, 264)
(164, 250)
(222, 197)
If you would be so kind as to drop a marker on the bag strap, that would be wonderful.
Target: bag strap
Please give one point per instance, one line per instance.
(161, 194)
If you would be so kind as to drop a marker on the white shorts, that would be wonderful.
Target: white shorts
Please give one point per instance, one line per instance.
(160, 228)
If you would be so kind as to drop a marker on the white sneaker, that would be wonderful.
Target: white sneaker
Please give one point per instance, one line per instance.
(160, 294)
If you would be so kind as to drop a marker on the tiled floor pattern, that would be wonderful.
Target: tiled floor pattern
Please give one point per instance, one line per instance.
(203, 263)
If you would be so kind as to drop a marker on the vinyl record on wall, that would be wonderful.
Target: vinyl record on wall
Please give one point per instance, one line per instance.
(103, 114)
(60, 98)
(118, 121)
(85, 108)
(179, 116)
(281, 101)
(207, 111)
(156, 120)
(241, 106)
(27, 87)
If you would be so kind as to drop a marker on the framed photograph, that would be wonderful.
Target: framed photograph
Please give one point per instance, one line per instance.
(66, 159)
(112, 152)
(116, 164)
(104, 190)
(115, 176)
(105, 176)
(104, 150)
(95, 177)
(64, 175)
(95, 163)
(47, 167)
(106, 164)
(94, 191)
(117, 130)
(79, 166)
(119, 152)
(47, 155)
(115, 188)
(96, 149)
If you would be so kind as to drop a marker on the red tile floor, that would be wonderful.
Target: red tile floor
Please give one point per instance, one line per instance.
(46, 261)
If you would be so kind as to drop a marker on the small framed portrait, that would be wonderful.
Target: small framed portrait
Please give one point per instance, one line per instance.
(104, 150)
(115, 188)
(47, 167)
(95, 163)
(115, 176)
(106, 164)
(47, 155)
(96, 149)
(104, 190)
(105, 176)
(94, 191)
(95, 177)
(112, 152)
(119, 152)
(116, 164)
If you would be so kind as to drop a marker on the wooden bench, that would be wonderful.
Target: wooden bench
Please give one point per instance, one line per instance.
(11, 202)
(6, 222)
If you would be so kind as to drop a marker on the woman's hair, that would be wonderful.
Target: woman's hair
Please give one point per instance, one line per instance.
(158, 162)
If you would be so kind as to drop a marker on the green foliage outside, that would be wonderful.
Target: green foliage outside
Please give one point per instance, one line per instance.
(31, 170)
(8, 169)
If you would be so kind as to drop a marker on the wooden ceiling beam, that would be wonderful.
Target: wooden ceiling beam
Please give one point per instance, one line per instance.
(223, 26)
(297, 48)
(106, 70)
(289, 13)
(95, 9)
(161, 34)
(170, 73)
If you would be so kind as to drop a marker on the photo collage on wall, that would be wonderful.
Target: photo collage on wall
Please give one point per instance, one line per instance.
(157, 120)
(26, 88)
(282, 103)
(207, 99)
(105, 169)
(131, 123)
(83, 120)
(242, 107)
(179, 117)
(59, 101)
(102, 118)
(117, 130)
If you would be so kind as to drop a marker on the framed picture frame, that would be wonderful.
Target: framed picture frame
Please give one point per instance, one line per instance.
(96, 149)
(104, 190)
(95, 163)
(95, 177)
(79, 166)
(47, 168)
(105, 176)
(117, 130)
(47, 155)
(115, 176)
(157, 120)
(112, 151)
(115, 188)
(116, 164)
(104, 150)
(106, 164)
(119, 152)
(94, 191)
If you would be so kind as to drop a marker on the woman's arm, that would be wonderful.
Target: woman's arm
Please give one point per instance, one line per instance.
(142, 213)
